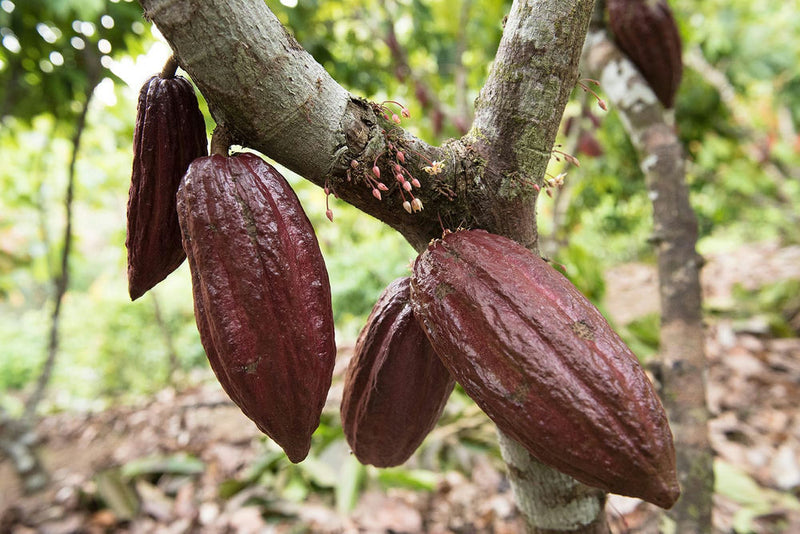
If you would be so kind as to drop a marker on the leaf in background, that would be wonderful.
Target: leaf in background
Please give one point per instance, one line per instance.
(755, 500)
(349, 484)
(415, 479)
(116, 493)
(178, 464)
(318, 472)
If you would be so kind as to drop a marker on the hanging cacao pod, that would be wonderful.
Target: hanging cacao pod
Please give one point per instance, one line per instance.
(396, 387)
(544, 364)
(646, 32)
(261, 293)
(169, 134)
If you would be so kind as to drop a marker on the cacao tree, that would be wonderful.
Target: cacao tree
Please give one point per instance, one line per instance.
(268, 93)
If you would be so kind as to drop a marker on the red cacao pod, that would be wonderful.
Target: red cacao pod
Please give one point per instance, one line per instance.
(646, 32)
(396, 387)
(170, 133)
(544, 364)
(261, 292)
(589, 145)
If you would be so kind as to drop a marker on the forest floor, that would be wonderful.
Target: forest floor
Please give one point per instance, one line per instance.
(183, 462)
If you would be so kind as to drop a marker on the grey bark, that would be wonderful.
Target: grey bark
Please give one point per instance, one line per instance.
(272, 96)
(683, 364)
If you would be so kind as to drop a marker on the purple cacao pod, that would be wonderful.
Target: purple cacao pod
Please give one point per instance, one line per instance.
(261, 292)
(396, 387)
(170, 133)
(544, 364)
(646, 32)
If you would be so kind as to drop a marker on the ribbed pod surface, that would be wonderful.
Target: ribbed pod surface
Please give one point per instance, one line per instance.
(396, 387)
(169, 134)
(544, 364)
(261, 292)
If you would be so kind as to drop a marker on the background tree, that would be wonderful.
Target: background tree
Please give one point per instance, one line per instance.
(54, 56)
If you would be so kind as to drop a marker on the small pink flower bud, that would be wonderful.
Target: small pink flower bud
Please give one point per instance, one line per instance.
(406, 113)
(376, 194)
(329, 215)
(354, 163)
(416, 204)
(382, 186)
(397, 168)
(327, 190)
(407, 186)
(415, 182)
(395, 118)
(376, 171)
(401, 157)
(602, 104)
(536, 186)
(407, 206)
(399, 178)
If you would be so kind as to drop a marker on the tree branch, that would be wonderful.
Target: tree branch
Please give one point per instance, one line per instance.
(272, 96)
(683, 363)
(519, 109)
(61, 279)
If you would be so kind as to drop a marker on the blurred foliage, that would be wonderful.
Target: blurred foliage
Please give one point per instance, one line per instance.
(754, 499)
(740, 129)
(52, 48)
(776, 305)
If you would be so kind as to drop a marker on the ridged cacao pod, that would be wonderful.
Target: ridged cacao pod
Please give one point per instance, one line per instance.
(544, 364)
(396, 387)
(170, 133)
(261, 293)
(646, 32)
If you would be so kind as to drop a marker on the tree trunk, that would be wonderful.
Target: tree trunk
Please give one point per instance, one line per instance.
(683, 364)
(272, 96)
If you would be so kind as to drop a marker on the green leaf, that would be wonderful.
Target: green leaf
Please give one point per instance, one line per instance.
(415, 479)
(178, 464)
(114, 490)
(349, 484)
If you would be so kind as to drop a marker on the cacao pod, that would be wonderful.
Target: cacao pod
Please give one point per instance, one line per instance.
(646, 32)
(170, 133)
(544, 364)
(589, 145)
(261, 293)
(396, 387)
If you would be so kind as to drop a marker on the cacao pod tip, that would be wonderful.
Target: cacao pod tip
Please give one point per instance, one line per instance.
(297, 455)
(663, 491)
(134, 292)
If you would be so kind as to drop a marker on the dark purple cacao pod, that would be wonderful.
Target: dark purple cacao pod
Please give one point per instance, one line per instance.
(544, 364)
(170, 133)
(261, 293)
(589, 145)
(646, 32)
(396, 387)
